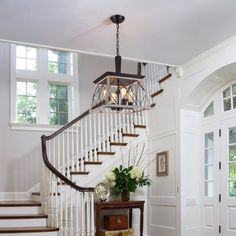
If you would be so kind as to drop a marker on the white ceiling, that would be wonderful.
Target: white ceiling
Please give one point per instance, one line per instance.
(168, 31)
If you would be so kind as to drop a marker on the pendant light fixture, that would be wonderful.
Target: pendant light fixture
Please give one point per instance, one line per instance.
(117, 90)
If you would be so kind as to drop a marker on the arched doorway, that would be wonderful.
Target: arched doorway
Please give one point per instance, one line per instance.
(219, 157)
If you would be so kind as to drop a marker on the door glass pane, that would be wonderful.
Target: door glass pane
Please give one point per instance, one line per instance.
(234, 102)
(226, 93)
(227, 104)
(234, 89)
(209, 156)
(232, 135)
(232, 152)
(209, 189)
(209, 110)
(209, 140)
(208, 172)
(232, 188)
(232, 171)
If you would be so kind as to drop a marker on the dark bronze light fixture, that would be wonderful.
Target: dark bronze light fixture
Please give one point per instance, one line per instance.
(117, 90)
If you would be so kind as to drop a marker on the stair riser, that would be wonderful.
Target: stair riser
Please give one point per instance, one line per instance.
(32, 234)
(140, 131)
(117, 148)
(90, 168)
(20, 210)
(104, 158)
(22, 222)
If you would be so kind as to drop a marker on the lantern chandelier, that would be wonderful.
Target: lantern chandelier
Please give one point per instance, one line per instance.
(117, 90)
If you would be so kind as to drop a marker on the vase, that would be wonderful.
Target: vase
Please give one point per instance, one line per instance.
(125, 196)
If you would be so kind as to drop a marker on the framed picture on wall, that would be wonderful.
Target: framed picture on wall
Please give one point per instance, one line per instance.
(162, 163)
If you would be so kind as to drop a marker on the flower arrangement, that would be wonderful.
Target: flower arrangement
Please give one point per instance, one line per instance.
(127, 179)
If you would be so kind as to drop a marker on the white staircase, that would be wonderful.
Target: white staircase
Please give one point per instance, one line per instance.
(75, 159)
(24, 218)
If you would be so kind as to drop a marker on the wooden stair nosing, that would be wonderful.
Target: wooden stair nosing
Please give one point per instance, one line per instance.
(130, 135)
(9, 230)
(106, 153)
(19, 203)
(117, 144)
(79, 173)
(140, 126)
(28, 216)
(165, 78)
(93, 162)
(157, 93)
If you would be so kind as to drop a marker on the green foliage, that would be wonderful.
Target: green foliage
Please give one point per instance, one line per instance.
(125, 182)
(26, 109)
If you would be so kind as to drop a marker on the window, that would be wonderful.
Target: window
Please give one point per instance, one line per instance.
(26, 102)
(58, 104)
(26, 58)
(209, 164)
(232, 162)
(209, 110)
(46, 96)
(60, 62)
(229, 98)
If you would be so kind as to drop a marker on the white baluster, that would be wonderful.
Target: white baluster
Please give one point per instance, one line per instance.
(90, 138)
(87, 200)
(77, 216)
(92, 213)
(71, 212)
(77, 147)
(82, 216)
(82, 145)
(86, 138)
(95, 137)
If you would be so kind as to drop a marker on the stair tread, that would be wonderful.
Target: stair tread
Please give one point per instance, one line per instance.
(140, 126)
(19, 203)
(130, 135)
(79, 172)
(118, 144)
(157, 93)
(165, 78)
(105, 153)
(93, 162)
(22, 216)
(27, 229)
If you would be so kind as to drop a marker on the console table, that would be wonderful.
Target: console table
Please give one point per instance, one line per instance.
(120, 205)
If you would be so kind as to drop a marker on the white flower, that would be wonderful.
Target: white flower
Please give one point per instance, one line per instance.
(136, 173)
(110, 176)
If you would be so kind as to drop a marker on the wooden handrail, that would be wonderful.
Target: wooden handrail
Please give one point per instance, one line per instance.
(51, 167)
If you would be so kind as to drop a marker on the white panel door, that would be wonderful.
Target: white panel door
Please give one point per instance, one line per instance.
(228, 180)
(210, 179)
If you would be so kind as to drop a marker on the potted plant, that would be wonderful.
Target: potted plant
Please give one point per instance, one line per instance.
(124, 180)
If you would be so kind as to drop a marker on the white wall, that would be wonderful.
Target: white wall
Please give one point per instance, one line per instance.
(19, 150)
(163, 195)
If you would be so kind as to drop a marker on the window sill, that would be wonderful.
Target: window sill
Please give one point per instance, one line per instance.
(34, 127)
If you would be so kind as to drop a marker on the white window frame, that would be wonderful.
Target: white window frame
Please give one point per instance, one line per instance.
(42, 77)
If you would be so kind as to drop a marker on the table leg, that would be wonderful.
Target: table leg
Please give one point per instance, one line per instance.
(97, 221)
(141, 221)
(130, 218)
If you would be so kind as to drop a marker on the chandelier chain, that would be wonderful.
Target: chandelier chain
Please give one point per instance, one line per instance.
(117, 39)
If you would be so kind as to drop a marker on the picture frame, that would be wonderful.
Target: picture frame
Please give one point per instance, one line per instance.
(163, 163)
